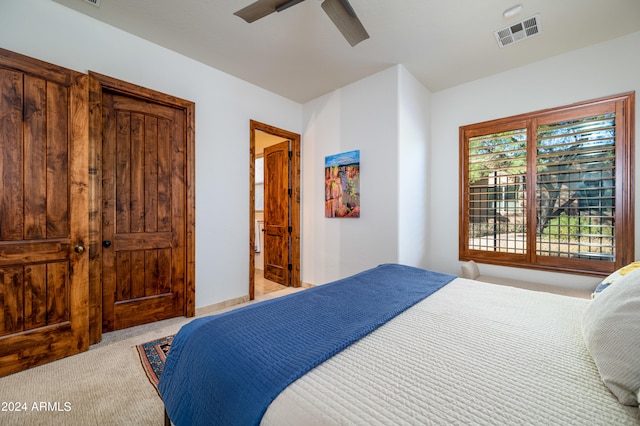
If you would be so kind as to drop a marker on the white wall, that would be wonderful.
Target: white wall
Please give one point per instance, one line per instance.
(605, 69)
(224, 105)
(413, 171)
(386, 117)
(360, 116)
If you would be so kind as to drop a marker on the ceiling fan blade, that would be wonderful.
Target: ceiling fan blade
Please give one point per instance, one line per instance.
(344, 17)
(258, 9)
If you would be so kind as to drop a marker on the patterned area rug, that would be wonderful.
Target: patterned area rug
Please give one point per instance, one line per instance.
(153, 355)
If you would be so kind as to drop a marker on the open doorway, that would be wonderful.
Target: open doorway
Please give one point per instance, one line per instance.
(274, 246)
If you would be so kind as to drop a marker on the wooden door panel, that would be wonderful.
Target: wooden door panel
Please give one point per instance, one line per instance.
(155, 308)
(12, 302)
(276, 212)
(276, 255)
(144, 201)
(11, 113)
(136, 172)
(35, 160)
(43, 212)
(142, 273)
(150, 186)
(57, 289)
(35, 295)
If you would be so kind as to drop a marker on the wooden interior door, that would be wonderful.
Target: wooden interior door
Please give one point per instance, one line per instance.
(277, 213)
(43, 213)
(144, 199)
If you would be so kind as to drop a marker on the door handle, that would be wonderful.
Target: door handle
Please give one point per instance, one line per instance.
(79, 249)
(106, 243)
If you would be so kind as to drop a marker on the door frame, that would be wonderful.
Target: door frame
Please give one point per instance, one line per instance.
(99, 83)
(295, 200)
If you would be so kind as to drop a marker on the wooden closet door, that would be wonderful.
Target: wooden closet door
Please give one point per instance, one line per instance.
(143, 210)
(277, 213)
(43, 213)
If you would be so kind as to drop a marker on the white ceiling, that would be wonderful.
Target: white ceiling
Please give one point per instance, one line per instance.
(300, 55)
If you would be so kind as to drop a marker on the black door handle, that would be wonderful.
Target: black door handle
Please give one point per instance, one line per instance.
(106, 243)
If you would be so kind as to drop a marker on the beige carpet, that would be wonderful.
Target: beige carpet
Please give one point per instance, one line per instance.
(103, 386)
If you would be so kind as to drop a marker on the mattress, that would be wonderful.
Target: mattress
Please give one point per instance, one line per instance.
(472, 353)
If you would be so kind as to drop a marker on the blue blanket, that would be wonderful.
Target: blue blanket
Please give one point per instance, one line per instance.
(227, 369)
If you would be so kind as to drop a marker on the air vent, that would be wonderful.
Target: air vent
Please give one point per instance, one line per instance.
(96, 3)
(518, 31)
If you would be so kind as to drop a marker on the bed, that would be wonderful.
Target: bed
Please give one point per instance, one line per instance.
(468, 352)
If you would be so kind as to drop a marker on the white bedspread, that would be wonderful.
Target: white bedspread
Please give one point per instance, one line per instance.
(472, 353)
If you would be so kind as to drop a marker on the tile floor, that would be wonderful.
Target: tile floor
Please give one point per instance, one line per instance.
(264, 286)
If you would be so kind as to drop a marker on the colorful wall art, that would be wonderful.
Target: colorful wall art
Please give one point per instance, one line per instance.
(342, 185)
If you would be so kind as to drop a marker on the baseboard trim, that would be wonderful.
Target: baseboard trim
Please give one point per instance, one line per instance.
(216, 307)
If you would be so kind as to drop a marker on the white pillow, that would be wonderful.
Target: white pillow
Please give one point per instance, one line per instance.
(611, 330)
(470, 270)
(614, 277)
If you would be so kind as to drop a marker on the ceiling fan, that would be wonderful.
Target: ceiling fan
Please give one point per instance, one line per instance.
(339, 11)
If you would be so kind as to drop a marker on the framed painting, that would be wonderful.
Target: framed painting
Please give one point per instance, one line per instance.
(342, 185)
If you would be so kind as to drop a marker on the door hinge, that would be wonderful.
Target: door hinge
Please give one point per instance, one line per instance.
(290, 229)
(290, 154)
(290, 267)
(290, 192)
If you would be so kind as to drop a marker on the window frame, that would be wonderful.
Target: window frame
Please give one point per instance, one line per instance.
(623, 105)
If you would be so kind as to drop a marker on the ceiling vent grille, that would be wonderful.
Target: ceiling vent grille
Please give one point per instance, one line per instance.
(518, 31)
(96, 3)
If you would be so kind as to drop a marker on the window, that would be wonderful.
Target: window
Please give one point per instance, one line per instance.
(552, 189)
